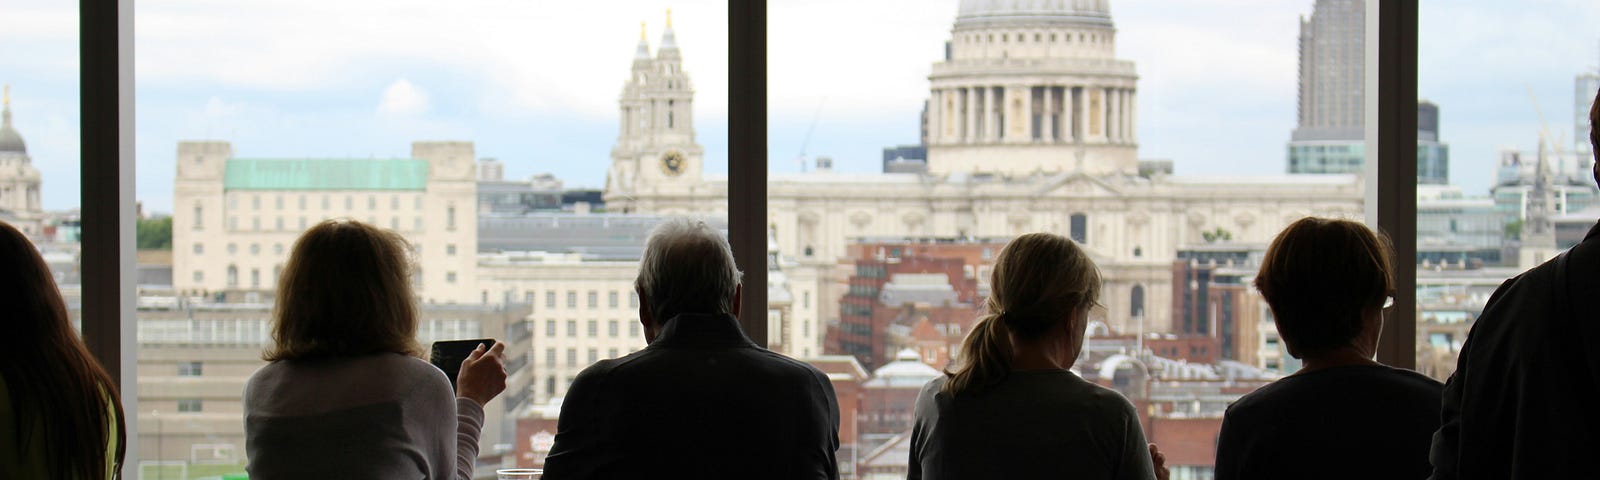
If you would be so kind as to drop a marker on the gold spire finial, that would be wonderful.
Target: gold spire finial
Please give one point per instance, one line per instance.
(8, 96)
(669, 18)
(641, 31)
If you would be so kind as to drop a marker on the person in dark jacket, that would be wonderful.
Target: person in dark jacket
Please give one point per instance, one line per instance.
(1343, 415)
(1521, 401)
(702, 400)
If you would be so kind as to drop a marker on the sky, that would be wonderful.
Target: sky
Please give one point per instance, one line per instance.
(534, 83)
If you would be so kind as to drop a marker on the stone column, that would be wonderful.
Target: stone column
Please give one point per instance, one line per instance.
(1083, 114)
(935, 120)
(1066, 115)
(990, 132)
(1116, 114)
(969, 131)
(1049, 121)
(1133, 110)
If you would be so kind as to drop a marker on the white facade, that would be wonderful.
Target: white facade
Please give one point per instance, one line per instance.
(994, 177)
(19, 180)
(235, 220)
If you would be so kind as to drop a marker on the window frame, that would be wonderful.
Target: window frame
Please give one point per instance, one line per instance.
(106, 116)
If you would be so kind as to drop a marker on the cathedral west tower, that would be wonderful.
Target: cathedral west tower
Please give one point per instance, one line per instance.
(655, 153)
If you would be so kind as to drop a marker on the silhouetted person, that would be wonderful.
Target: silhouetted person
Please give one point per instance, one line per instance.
(1343, 415)
(60, 415)
(347, 395)
(1521, 403)
(702, 400)
(1012, 409)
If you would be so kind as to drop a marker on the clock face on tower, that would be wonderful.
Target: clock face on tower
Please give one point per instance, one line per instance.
(672, 163)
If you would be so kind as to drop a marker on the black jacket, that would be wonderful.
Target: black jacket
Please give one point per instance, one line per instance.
(1522, 401)
(702, 401)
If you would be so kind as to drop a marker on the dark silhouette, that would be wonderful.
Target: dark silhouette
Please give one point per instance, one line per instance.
(1342, 415)
(702, 400)
(60, 413)
(1012, 409)
(1521, 401)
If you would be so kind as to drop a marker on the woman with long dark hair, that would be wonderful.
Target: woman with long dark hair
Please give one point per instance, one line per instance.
(1011, 408)
(60, 416)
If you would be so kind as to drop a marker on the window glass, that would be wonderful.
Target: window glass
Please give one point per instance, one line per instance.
(967, 123)
(366, 119)
(1502, 185)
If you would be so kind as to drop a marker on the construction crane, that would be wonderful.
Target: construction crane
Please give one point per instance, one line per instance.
(806, 142)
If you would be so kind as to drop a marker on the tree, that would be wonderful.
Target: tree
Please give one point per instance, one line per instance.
(1218, 235)
(154, 234)
(1514, 229)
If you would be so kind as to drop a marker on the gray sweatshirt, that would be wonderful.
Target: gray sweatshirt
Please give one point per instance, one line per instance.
(383, 416)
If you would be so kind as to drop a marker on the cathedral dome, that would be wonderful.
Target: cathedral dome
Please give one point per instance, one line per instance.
(1003, 13)
(10, 140)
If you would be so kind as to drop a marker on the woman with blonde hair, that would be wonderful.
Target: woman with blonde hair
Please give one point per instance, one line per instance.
(1011, 408)
(60, 416)
(346, 395)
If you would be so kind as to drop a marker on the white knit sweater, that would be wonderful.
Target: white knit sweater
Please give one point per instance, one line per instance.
(384, 416)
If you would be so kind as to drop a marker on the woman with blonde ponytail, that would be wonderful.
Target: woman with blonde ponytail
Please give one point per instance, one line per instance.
(1010, 408)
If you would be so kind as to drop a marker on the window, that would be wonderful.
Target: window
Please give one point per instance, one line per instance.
(372, 202)
(1161, 232)
(1136, 301)
(255, 249)
(199, 218)
(611, 353)
(233, 276)
(450, 219)
(394, 202)
(572, 328)
(255, 278)
(199, 248)
(302, 203)
(594, 328)
(277, 249)
(549, 356)
(611, 299)
(572, 357)
(1080, 228)
(189, 405)
(189, 369)
(277, 202)
(450, 249)
(449, 277)
(594, 300)
(633, 329)
(572, 299)
(550, 299)
(594, 355)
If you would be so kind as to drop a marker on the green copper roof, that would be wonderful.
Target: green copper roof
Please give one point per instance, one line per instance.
(326, 174)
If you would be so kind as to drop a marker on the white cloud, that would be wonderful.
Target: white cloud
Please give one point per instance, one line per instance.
(403, 98)
(217, 108)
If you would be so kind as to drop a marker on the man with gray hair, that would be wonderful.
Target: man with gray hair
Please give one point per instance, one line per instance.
(702, 400)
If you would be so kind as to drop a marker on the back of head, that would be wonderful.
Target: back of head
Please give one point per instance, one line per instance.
(346, 291)
(687, 267)
(1320, 276)
(57, 390)
(1594, 136)
(1038, 281)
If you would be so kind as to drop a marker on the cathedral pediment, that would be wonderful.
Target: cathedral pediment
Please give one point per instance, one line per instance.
(1077, 185)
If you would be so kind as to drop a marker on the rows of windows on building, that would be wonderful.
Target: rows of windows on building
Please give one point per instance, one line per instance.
(549, 269)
